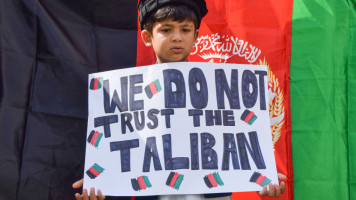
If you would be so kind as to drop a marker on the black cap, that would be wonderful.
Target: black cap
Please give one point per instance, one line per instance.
(147, 7)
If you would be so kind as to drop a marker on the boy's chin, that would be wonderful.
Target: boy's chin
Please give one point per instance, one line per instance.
(184, 60)
(174, 60)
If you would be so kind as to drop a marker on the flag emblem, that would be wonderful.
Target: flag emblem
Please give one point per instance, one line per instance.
(174, 180)
(141, 183)
(94, 138)
(213, 180)
(259, 179)
(249, 117)
(94, 171)
(96, 83)
(153, 88)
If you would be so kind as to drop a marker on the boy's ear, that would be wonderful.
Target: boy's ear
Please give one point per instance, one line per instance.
(146, 37)
(196, 34)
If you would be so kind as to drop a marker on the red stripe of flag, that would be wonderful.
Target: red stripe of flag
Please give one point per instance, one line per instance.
(141, 182)
(260, 179)
(212, 180)
(95, 136)
(96, 83)
(153, 88)
(174, 179)
(249, 116)
(93, 171)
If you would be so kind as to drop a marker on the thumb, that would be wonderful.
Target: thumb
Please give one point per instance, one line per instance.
(281, 177)
(78, 184)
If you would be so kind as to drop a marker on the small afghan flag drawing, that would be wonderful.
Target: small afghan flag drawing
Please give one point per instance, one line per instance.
(153, 88)
(141, 183)
(213, 180)
(96, 83)
(94, 138)
(249, 117)
(174, 180)
(94, 171)
(259, 179)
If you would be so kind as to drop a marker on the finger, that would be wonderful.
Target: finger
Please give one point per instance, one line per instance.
(283, 187)
(85, 195)
(92, 194)
(278, 190)
(263, 192)
(281, 177)
(100, 195)
(77, 196)
(78, 184)
(271, 191)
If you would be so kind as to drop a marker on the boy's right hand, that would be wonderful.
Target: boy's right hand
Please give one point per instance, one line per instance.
(84, 196)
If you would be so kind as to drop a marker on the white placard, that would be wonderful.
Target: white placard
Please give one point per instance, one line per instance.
(179, 128)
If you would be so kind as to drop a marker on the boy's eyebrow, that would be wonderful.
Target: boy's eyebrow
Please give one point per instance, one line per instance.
(183, 25)
(170, 25)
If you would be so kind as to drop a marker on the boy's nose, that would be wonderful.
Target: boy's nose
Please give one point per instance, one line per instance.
(177, 37)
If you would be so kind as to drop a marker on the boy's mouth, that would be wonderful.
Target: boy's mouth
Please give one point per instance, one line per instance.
(177, 49)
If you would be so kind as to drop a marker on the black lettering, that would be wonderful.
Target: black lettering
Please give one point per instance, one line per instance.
(177, 98)
(198, 97)
(167, 113)
(229, 119)
(255, 151)
(124, 148)
(230, 148)
(106, 121)
(213, 119)
(194, 152)
(209, 157)
(115, 101)
(151, 152)
(134, 79)
(196, 118)
(172, 163)
(152, 115)
(139, 124)
(261, 75)
(126, 121)
(249, 98)
(223, 87)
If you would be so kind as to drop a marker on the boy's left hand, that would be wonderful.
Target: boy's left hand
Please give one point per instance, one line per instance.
(274, 189)
(84, 195)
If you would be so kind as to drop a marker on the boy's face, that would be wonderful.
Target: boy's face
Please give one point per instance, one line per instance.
(171, 40)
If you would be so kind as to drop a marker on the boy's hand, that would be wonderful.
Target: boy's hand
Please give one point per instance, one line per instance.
(84, 196)
(274, 190)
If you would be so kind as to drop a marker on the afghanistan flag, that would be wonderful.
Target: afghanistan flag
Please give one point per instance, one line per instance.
(49, 47)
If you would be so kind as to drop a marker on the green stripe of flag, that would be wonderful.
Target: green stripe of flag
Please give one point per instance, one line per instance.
(100, 84)
(147, 181)
(178, 182)
(351, 77)
(323, 99)
(158, 85)
(253, 119)
(218, 179)
(98, 168)
(98, 140)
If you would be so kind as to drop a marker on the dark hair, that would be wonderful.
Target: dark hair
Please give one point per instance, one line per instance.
(176, 13)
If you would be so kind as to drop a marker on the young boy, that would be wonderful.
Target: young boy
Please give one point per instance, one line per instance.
(171, 28)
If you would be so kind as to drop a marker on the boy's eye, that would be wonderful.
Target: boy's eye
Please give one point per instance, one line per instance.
(166, 30)
(186, 30)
